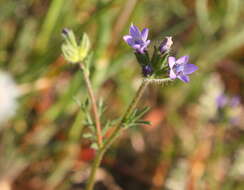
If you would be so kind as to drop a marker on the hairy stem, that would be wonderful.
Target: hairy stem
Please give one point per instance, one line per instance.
(94, 106)
(114, 135)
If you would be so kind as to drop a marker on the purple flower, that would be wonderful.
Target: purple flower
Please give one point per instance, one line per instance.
(221, 101)
(137, 40)
(180, 68)
(166, 44)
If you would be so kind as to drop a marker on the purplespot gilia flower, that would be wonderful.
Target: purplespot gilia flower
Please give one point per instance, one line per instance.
(180, 68)
(166, 44)
(137, 39)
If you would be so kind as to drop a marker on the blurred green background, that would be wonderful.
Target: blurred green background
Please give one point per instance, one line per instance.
(190, 144)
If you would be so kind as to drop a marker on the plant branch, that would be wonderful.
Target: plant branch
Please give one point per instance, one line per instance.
(129, 110)
(94, 106)
(114, 135)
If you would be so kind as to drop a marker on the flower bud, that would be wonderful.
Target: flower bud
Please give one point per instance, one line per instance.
(147, 70)
(72, 51)
(166, 44)
(65, 31)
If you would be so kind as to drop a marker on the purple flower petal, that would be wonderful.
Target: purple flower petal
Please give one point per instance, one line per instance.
(146, 43)
(128, 39)
(144, 34)
(172, 75)
(183, 77)
(141, 50)
(189, 68)
(135, 32)
(136, 46)
(171, 61)
(183, 60)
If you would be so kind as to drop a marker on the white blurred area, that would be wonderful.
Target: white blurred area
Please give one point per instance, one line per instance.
(237, 171)
(212, 89)
(177, 178)
(9, 93)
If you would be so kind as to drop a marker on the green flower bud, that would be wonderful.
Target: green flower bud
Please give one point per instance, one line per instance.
(73, 52)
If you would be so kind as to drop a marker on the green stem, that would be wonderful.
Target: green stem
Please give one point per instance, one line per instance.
(114, 135)
(95, 166)
(93, 106)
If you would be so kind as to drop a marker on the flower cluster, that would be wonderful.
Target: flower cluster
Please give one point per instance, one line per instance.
(160, 62)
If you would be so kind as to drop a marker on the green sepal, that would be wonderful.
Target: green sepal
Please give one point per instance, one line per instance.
(84, 47)
(159, 61)
(73, 52)
(155, 59)
(142, 59)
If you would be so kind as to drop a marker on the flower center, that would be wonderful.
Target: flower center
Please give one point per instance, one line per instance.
(178, 68)
(138, 41)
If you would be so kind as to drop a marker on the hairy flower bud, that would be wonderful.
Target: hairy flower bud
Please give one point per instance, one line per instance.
(65, 31)
(147, 70)
(72, 51)
(166, 44)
